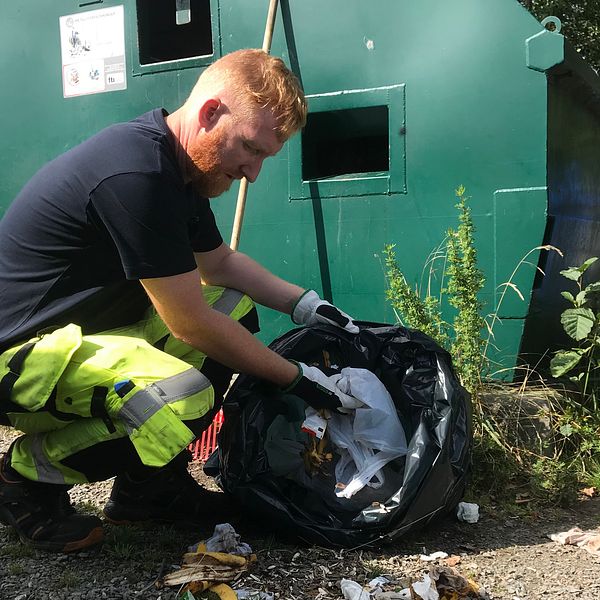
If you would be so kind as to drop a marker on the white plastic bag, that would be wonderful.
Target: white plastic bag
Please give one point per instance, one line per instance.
(353, 591)
(369, 437)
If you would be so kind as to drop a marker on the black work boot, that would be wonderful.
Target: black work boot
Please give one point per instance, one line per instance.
(42, 515)
(169, 494)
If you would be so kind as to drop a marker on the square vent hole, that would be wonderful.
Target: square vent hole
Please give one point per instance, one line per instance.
(345, 142)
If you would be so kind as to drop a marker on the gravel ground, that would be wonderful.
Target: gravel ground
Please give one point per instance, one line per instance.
(510, 557)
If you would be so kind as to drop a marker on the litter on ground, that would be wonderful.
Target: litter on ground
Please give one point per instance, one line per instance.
(211, 564)
(467, 512)
(589, 540)
(433, 556)
(441, 583)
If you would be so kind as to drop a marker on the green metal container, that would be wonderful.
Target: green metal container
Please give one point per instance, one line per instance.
(408, 100)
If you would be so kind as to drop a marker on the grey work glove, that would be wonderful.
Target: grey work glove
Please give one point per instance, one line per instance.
(312, 310)
(320, 391)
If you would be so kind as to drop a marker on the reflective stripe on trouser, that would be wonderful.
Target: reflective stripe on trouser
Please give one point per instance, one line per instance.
(144, 393)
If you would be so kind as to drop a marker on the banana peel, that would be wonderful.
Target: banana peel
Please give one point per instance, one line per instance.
(196, 587)
(315, 456)
(223, 591)
(209, 567)
(217, 558)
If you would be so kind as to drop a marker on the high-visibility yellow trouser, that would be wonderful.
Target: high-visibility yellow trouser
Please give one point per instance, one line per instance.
(76, 391)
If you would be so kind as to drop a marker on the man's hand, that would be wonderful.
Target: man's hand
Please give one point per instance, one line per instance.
(310, 309)
(320, 391)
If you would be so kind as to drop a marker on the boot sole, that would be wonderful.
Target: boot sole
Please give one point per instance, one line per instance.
(95, 536)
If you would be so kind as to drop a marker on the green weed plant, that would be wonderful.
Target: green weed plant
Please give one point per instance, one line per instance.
(580, 367)
(569, 454)
(581, 363)
(461, 282)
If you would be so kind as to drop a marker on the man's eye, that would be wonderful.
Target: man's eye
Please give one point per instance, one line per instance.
(250, 148)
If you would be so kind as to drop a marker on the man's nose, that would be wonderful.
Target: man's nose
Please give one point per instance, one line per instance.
(252, 169)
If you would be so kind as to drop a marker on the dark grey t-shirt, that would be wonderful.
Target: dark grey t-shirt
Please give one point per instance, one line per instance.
(90, 224)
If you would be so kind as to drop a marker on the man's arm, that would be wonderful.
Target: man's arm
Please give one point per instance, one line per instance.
(228, 268)
(181, 305)
(225, 267)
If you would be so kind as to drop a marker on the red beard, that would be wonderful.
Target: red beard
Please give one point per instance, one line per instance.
(206, 173)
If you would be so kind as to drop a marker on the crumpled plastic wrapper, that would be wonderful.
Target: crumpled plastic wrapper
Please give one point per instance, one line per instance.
(223, 539)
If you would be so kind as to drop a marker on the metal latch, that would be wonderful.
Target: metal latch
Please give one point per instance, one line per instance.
(545, 49)
(183, 13)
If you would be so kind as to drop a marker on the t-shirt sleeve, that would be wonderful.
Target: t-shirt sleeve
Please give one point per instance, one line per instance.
(148, 222)
(203, 231)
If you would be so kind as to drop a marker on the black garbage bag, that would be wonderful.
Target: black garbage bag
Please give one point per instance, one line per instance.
(262, 453)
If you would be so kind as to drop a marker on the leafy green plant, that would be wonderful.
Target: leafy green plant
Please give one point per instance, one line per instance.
(536, 441)
(420, 309)
(581, 363)
(507, 459)
(410, 309)
(465, 281)
(556, 478)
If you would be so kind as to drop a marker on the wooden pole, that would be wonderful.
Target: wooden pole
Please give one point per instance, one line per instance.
(270, 26)
(243, 191)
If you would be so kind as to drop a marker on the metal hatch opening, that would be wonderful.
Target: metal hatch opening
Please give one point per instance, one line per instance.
(162, 39)
(343, 142)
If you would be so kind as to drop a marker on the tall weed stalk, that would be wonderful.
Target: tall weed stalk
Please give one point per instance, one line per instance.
(460, 283)
(465, 281)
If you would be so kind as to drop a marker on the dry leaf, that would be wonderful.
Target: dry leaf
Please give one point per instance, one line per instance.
(453, 560)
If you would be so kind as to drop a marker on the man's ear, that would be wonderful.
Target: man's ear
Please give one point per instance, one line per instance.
(209, 113)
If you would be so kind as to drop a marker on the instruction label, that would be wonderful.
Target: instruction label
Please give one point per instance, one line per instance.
(93, 51)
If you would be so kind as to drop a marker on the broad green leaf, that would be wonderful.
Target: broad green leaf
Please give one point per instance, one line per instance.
(588, 263)
(567, 429)
(578, 322)
(575, 273)
(572, 273)
(563, 361)
(568, 296)
(580, 299)
(593, 287)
